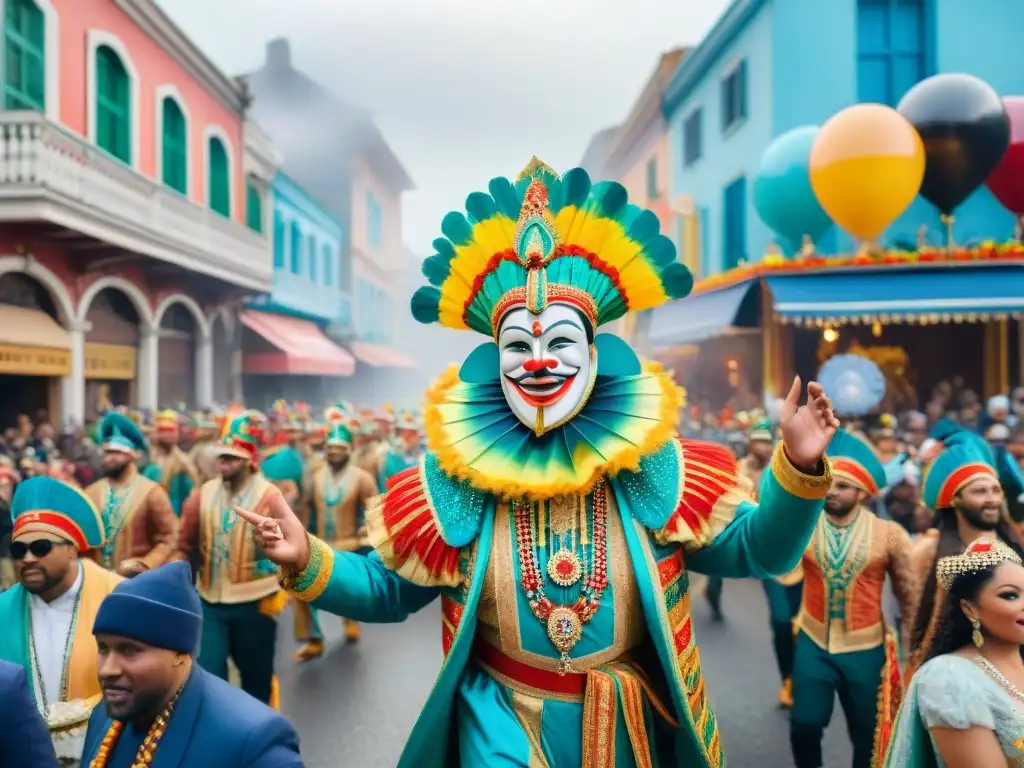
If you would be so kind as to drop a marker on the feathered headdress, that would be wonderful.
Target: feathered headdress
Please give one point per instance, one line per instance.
(545, 239)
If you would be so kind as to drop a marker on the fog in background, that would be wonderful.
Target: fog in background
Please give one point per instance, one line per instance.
(461, 90)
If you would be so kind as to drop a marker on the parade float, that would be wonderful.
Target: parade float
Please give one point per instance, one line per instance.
(882, 298)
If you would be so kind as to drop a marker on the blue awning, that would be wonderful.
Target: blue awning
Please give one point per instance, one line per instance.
(939, 295)
(697, 318)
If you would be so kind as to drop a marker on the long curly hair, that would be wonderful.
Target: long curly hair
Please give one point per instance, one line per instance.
(954, 629)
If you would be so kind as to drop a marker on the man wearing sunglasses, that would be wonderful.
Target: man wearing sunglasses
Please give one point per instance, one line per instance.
(47, 616)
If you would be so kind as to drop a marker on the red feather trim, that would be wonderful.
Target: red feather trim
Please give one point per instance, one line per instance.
(709, 472)
(409, 538)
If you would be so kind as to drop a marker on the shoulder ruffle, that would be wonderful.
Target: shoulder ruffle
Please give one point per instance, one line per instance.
(423, 521)
(687, 492)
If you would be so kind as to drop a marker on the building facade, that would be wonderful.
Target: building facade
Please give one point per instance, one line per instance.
(337, 154)
(768, 66)
(286, 354)
(133, 209)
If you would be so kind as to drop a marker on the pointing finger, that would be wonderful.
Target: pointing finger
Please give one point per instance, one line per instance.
(250, 517)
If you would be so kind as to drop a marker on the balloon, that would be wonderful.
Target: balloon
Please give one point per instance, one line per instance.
(783, 195)
(866, 168)
(1007, 180)
(965, 130)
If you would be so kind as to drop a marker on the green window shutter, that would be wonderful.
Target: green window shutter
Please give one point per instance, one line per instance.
(113, 105)
(253, 208)
(218, 178)
(24, 84)
(174, 146)
(280, 244)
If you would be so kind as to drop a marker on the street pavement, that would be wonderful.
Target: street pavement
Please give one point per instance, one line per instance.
(357, 704)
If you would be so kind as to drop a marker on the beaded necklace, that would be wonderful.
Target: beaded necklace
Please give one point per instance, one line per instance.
(564, 622)
(33, 656)
(147, 751)
(999, 678)
(114, 519)
(839, 562)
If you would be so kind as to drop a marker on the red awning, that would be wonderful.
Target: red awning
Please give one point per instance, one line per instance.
(379, 356)
(302, 349)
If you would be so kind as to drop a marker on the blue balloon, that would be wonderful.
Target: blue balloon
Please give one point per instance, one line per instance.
(783, 195)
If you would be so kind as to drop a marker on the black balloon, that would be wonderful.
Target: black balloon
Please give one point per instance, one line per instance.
(965, 130)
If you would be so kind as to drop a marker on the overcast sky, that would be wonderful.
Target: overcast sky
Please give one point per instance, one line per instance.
(463, 90)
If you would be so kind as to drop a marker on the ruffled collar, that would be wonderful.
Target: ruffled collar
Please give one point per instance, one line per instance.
(475, 437)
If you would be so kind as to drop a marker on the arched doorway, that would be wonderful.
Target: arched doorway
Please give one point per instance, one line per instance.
(176, 377)
(34, 351)
(111, 351)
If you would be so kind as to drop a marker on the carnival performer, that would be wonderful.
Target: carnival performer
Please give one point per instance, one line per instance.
(403, 450)
(843, 644)
(961, 485)
(962, 709)
(140, 527)
(46, 618)
(240, 593)
(168, 465)
(554, 506)
(340, 492)
(203, 453)
(783, 592)
(162, 709)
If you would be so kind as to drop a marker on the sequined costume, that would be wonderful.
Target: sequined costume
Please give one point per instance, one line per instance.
(558, 533)
(843, 645)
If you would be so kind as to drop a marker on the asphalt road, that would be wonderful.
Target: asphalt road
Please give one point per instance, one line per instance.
(356, 705)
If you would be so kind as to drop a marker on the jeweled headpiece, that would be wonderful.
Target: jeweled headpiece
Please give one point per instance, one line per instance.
(979, 555)
(548, 239)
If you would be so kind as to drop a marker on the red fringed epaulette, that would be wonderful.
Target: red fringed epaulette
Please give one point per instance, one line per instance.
(404, 528)
(710, 492)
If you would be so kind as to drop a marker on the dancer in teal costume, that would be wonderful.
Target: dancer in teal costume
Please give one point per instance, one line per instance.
(553, 507)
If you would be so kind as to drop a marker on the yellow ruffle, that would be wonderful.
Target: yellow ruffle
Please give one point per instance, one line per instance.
(590, 466)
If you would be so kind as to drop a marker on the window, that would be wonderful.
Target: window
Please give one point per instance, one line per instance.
(890, 48)
(113, 105)
(311, 249)
(692, 148)
(25, 56)
(174, 146)
(734, 96)
(734, 220)
(280, 244)
(374, 232)
(328, 259)
(253, 207)
(705, 249)
(652, 179)
(219, 177)
(295, 237)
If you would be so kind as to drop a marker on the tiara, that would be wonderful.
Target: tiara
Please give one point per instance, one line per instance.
(979, 555)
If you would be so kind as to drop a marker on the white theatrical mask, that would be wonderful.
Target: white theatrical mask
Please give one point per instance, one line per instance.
(547, 365)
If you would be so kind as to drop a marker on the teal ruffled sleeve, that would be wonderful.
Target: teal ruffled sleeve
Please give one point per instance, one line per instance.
(953, 692)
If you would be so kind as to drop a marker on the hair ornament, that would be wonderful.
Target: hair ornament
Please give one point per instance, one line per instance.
(979, 555)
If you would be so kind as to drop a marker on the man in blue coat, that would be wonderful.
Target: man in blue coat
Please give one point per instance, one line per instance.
(160, 702)
(24, 739)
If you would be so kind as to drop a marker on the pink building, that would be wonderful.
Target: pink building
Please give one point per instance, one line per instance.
(132, 209)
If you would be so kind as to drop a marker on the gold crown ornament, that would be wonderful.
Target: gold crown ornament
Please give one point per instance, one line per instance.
(979, 555)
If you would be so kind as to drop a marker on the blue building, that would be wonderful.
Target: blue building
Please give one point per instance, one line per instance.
(768, 66)
(286, 353)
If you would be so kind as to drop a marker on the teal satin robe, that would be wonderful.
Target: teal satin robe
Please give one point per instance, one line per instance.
(761, 541)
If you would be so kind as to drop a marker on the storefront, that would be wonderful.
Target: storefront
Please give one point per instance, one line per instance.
(111, 357)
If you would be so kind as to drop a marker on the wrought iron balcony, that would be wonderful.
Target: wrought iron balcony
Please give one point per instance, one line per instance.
(51, 175)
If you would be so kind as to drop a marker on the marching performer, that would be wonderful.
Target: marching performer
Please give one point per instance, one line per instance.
(46, 618)
(403, 451)
(554, 506)
(203, 453)
(784, 592)
(140, 527)
(339, 492)
(843, 644)
(239, 588)
(170, 466)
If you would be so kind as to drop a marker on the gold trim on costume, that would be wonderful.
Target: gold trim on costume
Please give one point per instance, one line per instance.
(529, 711)
(323, 574)
(798, 483)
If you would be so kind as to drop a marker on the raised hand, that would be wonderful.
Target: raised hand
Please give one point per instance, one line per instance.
(807, 429)
(280, 535)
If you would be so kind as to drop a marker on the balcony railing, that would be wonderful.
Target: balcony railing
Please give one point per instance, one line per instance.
(48, 173)
(299, 295)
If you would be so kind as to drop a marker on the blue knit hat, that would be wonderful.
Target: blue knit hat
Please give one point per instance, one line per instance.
(159, 607)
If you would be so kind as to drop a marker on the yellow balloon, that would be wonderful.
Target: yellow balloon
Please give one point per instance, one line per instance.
(866, 168)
